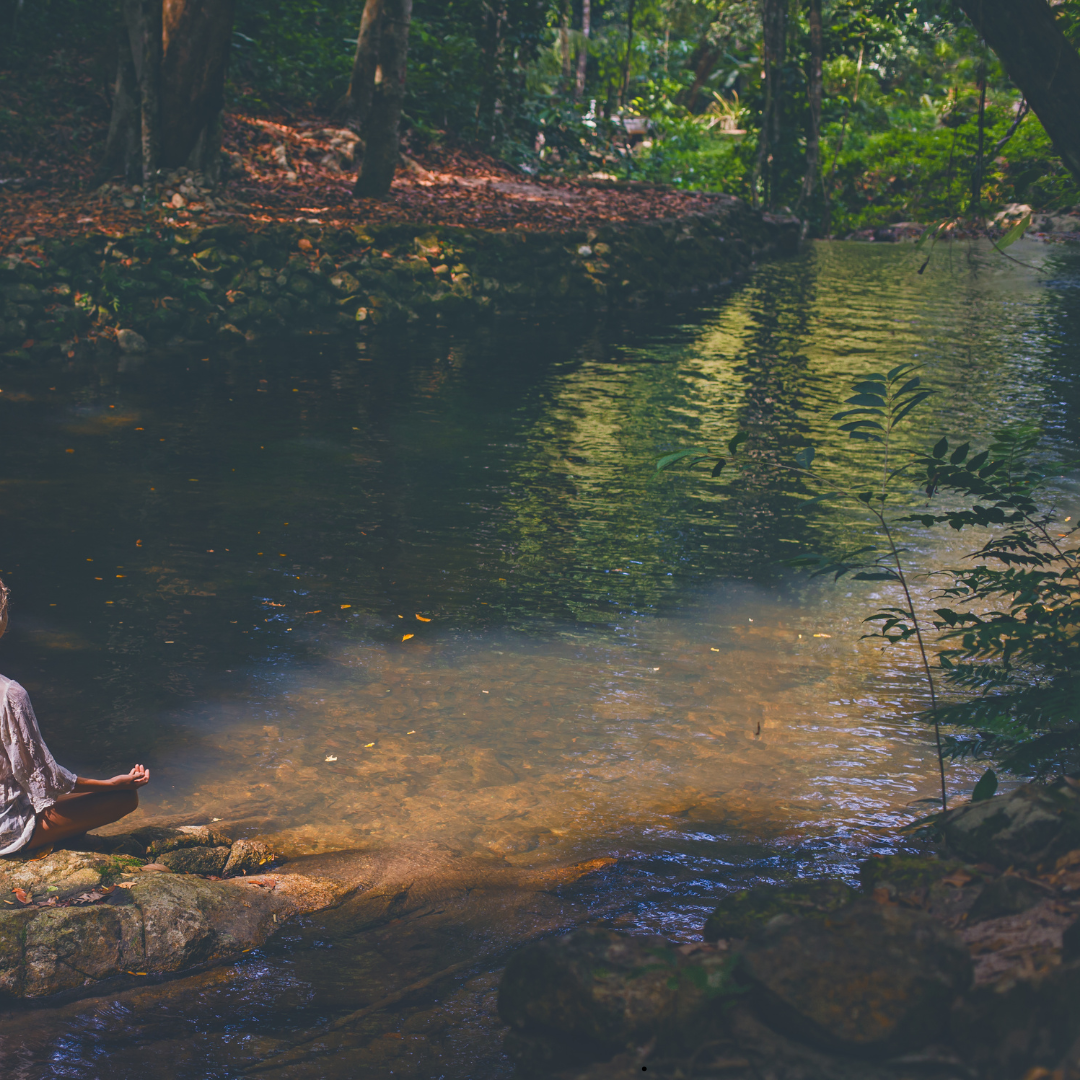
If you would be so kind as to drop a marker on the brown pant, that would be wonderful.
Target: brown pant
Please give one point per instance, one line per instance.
(73, 815)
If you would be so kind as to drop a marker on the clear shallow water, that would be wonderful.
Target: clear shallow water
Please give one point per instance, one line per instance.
(606, 664)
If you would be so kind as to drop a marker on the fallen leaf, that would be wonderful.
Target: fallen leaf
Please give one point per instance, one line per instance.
(959, 878)
(344, 606)
(22, 896)
(406, 637)
(422, 619)
(368, 745)
(823, 635)
(136, 973)
(331, 757)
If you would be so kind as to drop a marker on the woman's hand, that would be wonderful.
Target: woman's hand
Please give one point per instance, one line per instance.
(135, 779)
(138, 776)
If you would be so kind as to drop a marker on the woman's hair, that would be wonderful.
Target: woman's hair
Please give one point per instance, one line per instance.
(3, 599)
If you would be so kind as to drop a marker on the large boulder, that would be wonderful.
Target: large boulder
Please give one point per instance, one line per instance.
(1030, 827)
(740, 914)
(870, 979)
(589, 994)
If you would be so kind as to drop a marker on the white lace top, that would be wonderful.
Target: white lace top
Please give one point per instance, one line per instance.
(30, 780)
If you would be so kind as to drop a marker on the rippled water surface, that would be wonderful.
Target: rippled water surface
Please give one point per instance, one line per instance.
(429, 590)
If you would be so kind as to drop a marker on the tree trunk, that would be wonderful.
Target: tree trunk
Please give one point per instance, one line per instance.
(196, 37)
(629, 47)
(814, 96)
(361, 93)
(583, 56)
(492, 47)
(380, 131)
(170, 87)
(773, 24)
(143, 18)
(1039, 59)
(122, 153)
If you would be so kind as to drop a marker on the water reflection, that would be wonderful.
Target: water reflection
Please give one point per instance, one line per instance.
(430, 590)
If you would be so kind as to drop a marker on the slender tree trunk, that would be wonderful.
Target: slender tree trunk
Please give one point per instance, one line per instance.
(773, 21)
(814, 96)
(583, 56)
(705, 66)
(564, 44)
(629, 48)
(365, 72)
(492, 44)
(143, 19)
(977, 176)
(380, 131)
(1039, 59)
(123, 154)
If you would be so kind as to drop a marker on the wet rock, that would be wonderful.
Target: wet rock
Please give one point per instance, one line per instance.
(196, 860)
(1031, 826)
(944, 888)
(590, 993)
(59, 875)
(131, 341)
(870, 979)
(1006, 895)
(740, 914)
(248, 856)
(66, 947)
(1011, 1026)
(158, 839)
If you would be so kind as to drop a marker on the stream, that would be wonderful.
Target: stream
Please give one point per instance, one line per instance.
(429, 590)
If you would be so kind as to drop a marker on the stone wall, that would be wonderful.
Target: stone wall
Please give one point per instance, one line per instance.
(226, 282)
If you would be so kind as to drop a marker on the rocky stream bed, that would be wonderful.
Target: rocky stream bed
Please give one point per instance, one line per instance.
(960, 962)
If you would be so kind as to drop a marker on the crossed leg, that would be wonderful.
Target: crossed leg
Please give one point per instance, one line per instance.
(73, 815)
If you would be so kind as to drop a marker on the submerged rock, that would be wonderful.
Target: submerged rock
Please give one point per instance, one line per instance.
(594, 991)
(740, 914)
(1030, 827)
(248, 857)
(130, 341)
(159, 839)
(196, 860)
(869, 979)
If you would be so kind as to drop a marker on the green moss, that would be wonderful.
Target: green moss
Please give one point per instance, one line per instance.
(906, 873)
(741, 913)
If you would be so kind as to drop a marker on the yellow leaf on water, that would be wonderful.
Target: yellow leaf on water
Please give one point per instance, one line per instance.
(406, 637)
(422, 619)
(331, 757)
(823, 635)
(368, 745)
(344, 606)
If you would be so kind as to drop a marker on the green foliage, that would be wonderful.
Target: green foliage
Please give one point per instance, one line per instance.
(1014, 617)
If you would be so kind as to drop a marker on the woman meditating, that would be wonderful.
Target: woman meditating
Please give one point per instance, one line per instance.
(42, 803)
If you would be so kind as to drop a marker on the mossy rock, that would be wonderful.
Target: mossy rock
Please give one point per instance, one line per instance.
(742, 913)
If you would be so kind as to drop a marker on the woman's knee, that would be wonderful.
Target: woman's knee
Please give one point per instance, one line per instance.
(126, 802)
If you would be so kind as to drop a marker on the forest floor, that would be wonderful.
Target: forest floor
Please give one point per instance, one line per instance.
(292, 169)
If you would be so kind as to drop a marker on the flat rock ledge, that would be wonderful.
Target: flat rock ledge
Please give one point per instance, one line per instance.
(962, 964)
(159, 901)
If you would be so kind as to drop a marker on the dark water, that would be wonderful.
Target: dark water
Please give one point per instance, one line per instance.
(216, 561)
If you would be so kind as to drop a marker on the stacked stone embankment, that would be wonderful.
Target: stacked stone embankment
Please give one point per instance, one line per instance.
(231, 284)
